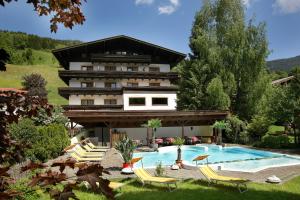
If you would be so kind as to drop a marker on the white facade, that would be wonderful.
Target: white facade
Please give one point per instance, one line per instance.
(119, 66)
(120, 83)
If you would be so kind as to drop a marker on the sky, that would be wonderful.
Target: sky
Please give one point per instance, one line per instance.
(164, 22)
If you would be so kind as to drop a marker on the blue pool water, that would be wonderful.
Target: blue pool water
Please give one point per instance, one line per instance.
(228, 158)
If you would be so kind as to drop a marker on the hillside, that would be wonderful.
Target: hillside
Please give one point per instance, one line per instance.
(284, 64)
(13, 75)
(28, 49)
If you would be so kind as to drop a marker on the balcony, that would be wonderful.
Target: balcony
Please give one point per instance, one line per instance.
(66, 75)
(120, 58)
(92, 107)
(66, 91)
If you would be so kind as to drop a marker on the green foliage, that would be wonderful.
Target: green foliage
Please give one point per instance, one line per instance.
(258, 126)
(159, 170)
(27, 49)
(217, 99)
(236, 126)
(24, 131)
(275, 130)
(28, 193)
(285, 64)
(44, 142)
(13, 75)
(126, 147)
(179, 141)
(49, 142)
(276, 142)
(222, 125)
(56, 117)
(35, 84)
(153, 124)
(223, 46)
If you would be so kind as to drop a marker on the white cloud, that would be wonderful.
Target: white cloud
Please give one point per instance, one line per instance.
(286, 6)
(144, 2)
(170, 8)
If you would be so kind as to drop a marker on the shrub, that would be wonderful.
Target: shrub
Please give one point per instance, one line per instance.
(44, 142)
(258, 127)
(244, 138)
(24, 131)
(276, 142)
(49, 143)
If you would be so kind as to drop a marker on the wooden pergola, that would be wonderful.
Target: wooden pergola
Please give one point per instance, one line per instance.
(134, 119)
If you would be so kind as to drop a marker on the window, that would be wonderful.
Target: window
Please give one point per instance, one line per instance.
(110, 68)
(87, 84)
(110, 101)
(159, 101)
(87, 68)
(154, 84)
(132, 69)
(137, 101)
(132, 84)
(110, 85)
(153, 69)
(87, 102)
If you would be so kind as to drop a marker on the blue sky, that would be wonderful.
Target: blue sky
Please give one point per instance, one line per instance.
(163, 22)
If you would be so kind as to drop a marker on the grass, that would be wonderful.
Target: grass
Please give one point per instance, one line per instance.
(13, 76)
(273, 129)
(200, 190)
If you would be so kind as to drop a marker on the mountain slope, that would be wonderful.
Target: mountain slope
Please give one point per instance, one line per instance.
(284, 64)
(12, 77)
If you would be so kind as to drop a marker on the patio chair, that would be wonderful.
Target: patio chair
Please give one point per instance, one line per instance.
(213, 177)
(91, 145)
(145, 177)
(85, 159)
(81, 152)
(89, 149)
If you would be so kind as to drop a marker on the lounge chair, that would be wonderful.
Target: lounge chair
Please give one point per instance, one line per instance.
(81, 152)
(213, 177)
(91, 145)
(145, 178)
(89, 149)
(85, 159)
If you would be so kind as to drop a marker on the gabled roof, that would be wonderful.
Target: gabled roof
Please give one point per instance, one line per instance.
(120, 42)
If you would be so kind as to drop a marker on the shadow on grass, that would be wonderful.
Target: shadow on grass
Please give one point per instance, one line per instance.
(200, 190)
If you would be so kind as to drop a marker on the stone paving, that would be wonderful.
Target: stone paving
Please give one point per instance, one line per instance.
(113, 162)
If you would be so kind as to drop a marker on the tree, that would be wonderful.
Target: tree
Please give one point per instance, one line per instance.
(153, 124)
(4, 58)
(216, 98)
(220, 126)
(35, 84)
(66, 12)
(223, 46)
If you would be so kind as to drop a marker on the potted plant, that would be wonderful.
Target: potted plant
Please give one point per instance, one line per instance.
(179, 142)
(126, 147)
(220, 126)
(153, 124)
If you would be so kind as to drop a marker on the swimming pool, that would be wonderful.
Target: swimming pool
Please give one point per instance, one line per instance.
(233, 158)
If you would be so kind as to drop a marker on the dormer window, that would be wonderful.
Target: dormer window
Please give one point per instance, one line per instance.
(87, 68)
(154, 69)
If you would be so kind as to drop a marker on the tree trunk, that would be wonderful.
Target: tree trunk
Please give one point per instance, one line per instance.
(179, 154)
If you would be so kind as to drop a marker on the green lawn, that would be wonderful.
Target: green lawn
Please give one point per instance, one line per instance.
(12, 78)
(199, 190)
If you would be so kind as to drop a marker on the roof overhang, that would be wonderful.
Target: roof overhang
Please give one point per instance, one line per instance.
(96, 51)
(133, 119)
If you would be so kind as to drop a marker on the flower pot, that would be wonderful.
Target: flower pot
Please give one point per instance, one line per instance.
(127, 165)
